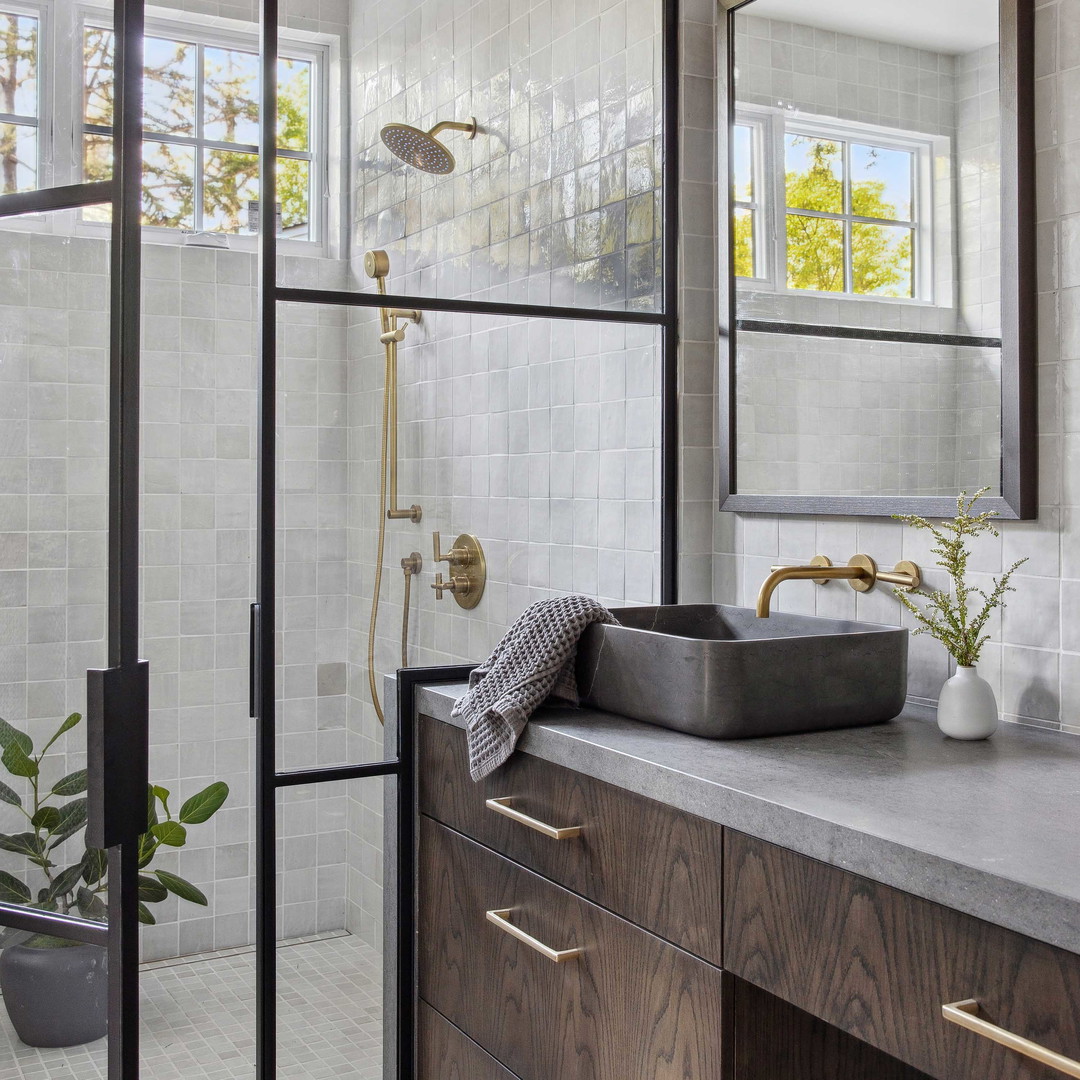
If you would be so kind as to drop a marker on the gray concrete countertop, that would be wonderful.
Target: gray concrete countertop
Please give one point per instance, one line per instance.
(991, 829)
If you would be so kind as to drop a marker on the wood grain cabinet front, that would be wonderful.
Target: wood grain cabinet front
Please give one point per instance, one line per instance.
(880, 964)
(551, 985)
(444, 1053)
(650, 863)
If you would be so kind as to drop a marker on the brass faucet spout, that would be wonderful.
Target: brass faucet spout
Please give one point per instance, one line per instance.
(820, 570)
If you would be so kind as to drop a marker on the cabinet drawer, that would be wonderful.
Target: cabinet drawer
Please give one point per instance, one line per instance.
(657, 867)
(444, 1053)
(880, 963)
(628, 1006)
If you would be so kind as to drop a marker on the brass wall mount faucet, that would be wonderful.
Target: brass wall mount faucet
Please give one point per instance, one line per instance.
(861, 573)
(468, 570)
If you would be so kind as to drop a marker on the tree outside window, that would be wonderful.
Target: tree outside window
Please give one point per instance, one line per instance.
(19, 42)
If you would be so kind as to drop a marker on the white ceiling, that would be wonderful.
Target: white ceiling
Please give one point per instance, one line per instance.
(945, 26)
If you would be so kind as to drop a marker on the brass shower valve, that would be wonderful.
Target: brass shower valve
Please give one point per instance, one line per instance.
(468, 570)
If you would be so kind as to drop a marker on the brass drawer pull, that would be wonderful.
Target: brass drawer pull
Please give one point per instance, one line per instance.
(502, 920)
(966, 1014)
(502, 806)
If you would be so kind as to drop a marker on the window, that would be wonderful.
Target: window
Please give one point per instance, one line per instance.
(201, 132)
(20, 35)
(847, 205)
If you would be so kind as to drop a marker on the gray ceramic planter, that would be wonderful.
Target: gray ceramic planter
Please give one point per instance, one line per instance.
(56, 997)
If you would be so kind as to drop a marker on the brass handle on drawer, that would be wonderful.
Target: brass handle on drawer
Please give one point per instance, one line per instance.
(966, 1014)
(502, 806)
(501, 919)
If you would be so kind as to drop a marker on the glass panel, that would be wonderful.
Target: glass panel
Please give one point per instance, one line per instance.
(814, 173)
(330, 929)
(169, 86)
(294, 194)
(815, 253)
(742, 152)
(230, 182)
(821, 416)
(745, 261)
(557, 199)
(18, 64)
(98, 58)
(54, 441)
(231, 96)
(881, 182)
(168, 185)
(294, 105)
(881, 260)
(18, 158)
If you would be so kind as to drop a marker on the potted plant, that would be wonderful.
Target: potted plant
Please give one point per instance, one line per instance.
(967, 708)
(56, 991)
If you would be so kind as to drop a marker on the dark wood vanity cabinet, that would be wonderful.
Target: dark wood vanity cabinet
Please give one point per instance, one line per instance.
(705, 954)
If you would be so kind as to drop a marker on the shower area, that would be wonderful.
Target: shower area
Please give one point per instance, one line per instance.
(468, 338)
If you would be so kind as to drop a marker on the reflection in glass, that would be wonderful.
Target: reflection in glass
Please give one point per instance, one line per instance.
(18, 158)
(18, 64)
(881, 260)
(814, 173)
(97, 75)
(815, 253)
(742, 147)
(744, 242)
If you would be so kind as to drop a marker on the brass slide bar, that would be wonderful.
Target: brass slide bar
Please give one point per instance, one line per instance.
(966, 1014)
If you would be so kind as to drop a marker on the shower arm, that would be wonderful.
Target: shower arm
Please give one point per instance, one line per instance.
(454, 125)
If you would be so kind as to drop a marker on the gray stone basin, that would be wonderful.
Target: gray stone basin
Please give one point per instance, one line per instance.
(722, 673)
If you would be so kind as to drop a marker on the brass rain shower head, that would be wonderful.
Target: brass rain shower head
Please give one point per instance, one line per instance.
(421, 149)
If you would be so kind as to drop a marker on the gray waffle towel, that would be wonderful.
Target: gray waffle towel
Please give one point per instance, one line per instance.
(535, 659)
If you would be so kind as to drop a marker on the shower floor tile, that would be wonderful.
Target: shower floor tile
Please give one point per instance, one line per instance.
(198, 1019)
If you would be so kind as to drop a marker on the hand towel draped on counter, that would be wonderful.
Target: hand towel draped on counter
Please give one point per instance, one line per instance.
(534, 660)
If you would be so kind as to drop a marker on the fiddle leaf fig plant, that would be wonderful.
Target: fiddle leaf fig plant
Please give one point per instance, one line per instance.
(54, 812)
(958, 617)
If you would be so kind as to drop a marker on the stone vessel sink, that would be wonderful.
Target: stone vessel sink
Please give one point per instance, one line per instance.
(722, 673)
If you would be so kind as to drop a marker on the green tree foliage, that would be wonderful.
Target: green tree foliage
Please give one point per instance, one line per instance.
(231, 113)
(881, 255)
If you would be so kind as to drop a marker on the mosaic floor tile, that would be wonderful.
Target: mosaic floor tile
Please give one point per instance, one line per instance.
(198, 1019)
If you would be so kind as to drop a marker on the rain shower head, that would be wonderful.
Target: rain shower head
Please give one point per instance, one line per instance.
(421, 149)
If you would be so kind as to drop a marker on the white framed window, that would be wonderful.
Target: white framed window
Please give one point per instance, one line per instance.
(200, 124)
(829, 207)
(22, 35)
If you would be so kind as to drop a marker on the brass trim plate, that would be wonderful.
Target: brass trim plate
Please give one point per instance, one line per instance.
(472, 566)
(869, 580)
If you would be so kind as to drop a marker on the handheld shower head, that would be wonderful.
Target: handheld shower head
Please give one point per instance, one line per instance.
(421, 149)
(376, 264)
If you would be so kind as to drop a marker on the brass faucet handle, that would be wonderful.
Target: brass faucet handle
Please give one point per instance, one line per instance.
(905, 575)
(458, 585)
(456, 556)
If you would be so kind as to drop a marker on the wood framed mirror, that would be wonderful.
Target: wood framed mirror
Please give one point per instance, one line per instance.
(878, 340)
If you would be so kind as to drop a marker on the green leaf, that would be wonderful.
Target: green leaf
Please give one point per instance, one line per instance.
(10, 735)
(151, 890)
(65, 881)
(16, 761)
(205, 804)
(8, 795)
(67, 725)
(26, 843)
(72, 819)
(151, 808)
(162, 794)
(144, 915)
(72, 784)
(90, 906)
(12, 890)
(184, 889)
(146, 849)
(95, 864)
(171, 833)
(47, 818)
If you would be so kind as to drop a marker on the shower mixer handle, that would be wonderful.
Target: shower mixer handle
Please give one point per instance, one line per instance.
(458, 585)
(456, 556)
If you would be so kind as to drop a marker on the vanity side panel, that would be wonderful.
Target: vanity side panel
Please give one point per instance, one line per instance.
(654, 865)
(879, 964)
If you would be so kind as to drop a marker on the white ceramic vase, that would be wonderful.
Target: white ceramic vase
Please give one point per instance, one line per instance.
(967, 708)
